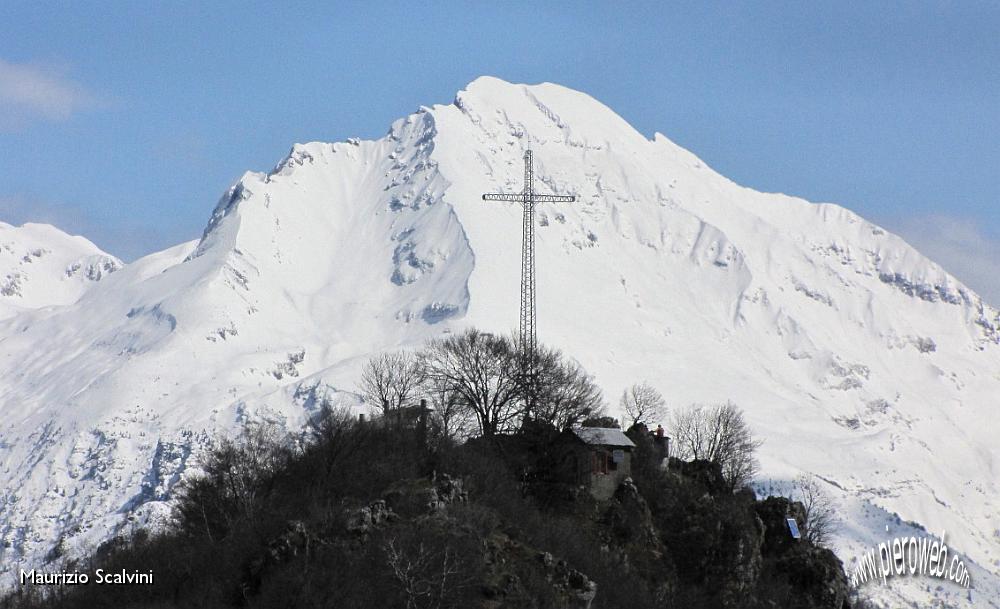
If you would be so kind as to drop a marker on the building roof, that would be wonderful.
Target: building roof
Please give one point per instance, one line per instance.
(603, 436)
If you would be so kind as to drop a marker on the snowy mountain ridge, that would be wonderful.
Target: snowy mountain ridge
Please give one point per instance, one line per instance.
(855, 358)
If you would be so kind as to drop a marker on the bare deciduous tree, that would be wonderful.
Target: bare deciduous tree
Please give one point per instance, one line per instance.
(238, 472)
(484, 372)
(334, 435)
(426, 579)
(390, 380)
(477, 379)
(642, 403)
(821, 514)
(717, 433)
(567, 395)
(249, 463)
(452, 419)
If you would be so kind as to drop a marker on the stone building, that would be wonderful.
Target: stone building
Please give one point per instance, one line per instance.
(602, 459)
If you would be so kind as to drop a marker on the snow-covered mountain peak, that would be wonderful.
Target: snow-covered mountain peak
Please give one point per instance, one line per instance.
(856, 358)
(42, 266)
(544, 110)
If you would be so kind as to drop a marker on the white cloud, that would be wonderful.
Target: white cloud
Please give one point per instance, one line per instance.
(29, 91)
(959, 245)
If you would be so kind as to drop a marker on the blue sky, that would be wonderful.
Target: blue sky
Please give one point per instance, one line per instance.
(126, 122)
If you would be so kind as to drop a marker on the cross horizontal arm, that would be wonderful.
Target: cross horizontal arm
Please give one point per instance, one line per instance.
(553, 198)
(536, 198)
(502, 196)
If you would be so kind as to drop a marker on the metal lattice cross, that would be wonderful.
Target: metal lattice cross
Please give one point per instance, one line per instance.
(528, 198)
